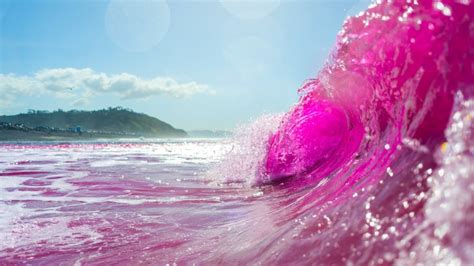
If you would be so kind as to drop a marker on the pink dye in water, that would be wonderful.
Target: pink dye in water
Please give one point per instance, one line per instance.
(374, 165)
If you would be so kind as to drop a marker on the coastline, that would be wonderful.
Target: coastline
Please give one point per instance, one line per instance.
(32, 135)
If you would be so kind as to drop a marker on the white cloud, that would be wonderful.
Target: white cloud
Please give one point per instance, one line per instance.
(81, 85)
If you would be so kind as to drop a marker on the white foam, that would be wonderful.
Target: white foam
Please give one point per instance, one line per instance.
(446, 236)
(248, 148)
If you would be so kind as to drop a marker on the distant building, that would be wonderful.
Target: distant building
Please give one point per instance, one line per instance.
(5, 124)
(78, 130)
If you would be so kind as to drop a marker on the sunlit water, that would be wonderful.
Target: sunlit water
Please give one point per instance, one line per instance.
(175, 201)
(115, 202)
(374, 165)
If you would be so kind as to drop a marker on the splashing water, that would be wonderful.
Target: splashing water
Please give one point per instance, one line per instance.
(372, 166)
(241, 164)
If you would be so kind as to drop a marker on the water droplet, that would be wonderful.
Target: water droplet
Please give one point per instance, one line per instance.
(389, 171)
(446, 10)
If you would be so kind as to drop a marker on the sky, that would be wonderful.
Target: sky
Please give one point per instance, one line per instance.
(196, 64)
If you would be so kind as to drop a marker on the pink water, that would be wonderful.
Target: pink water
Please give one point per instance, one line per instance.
(374, 165)
(114, 202)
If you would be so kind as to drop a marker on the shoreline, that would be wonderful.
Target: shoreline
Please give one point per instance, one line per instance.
(23, 135)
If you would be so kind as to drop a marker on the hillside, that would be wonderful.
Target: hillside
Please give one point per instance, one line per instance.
(114, 120)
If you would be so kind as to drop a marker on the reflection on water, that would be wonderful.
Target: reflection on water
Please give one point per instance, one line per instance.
(115, 202)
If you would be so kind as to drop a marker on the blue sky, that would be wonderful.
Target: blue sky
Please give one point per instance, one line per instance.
(194, 64)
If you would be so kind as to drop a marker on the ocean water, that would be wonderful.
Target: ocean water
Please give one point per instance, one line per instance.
(112, 202)
(168, 202)
(373, 166)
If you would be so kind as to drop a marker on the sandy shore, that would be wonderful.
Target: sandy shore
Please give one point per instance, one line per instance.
(11, 135)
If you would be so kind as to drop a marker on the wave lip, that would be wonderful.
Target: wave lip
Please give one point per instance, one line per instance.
(392, 181)
(394, 73)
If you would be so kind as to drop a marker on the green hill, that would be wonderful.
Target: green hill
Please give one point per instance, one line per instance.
(117, 120)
